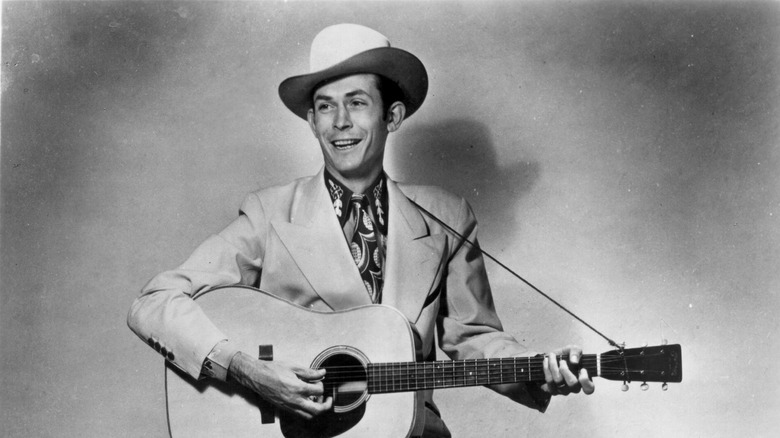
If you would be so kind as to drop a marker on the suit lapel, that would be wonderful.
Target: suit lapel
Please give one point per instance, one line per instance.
(316, 243)
(315, 240)
(414, 257)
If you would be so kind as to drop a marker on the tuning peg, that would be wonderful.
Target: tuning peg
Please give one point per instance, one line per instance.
(644, 386)
(664, 387)
(624, 387)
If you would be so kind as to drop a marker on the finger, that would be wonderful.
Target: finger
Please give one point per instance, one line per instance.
(315, 389)
(587, 384)
(303, 414)
(547, 375)
(328, 403)
(314, 408)
(575, 353)
(557, 382)
(567, 375)
(309, 375)
(555, 371)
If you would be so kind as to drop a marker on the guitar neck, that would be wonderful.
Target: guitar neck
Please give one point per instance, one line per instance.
(416, 376)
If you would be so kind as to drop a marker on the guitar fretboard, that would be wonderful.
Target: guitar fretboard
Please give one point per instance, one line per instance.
(416, 376)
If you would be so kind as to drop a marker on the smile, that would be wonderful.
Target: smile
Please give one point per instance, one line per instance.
(345, 144)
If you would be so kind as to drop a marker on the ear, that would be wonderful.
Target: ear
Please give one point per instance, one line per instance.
(310, 118)
(395, 116)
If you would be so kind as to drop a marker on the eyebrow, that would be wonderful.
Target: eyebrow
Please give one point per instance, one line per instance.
(357, 92)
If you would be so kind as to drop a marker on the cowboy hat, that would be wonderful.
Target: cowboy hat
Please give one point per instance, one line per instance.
(345, 49)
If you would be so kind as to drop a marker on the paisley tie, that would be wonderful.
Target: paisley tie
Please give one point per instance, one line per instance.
(365, 248)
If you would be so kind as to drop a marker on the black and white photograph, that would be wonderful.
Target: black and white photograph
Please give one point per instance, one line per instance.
(390, 218)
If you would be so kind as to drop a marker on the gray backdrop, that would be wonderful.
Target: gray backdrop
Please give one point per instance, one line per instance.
(622, 156)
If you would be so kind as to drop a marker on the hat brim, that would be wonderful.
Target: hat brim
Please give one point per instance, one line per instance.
(395, 64)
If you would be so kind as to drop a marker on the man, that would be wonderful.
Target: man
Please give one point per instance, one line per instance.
(345, 237)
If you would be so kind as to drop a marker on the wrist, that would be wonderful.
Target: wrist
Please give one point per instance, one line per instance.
(238, 364)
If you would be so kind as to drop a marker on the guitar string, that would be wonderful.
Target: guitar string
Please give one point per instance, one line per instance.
(445, 380)
(482, 363)
(515, 274)
(402, 369)
(496, 375)
(498, 361)
(441, 380)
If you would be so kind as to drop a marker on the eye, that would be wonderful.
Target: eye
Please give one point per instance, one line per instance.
(358, 103)
(323, 107)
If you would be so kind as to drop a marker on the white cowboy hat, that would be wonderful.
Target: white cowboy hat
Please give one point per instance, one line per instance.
(344, 49)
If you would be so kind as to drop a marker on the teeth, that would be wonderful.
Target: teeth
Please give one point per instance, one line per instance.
(344, 143)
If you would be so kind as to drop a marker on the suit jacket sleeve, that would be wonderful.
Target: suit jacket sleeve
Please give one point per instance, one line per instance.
(468, 325)
(166, 316)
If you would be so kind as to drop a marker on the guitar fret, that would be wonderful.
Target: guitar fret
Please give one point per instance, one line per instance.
(378, 378)
(396, 380)
(405, 377)
(396, 376)
(372, 378)
(390, 377)
(383, 378)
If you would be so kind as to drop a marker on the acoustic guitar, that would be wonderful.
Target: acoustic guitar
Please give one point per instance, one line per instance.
(370, 354)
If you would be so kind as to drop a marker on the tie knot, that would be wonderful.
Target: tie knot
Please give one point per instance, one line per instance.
(360, 201)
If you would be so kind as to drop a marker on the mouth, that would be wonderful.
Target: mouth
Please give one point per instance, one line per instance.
(345, 144)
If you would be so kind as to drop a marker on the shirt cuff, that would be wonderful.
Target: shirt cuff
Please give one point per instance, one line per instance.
(218, 360)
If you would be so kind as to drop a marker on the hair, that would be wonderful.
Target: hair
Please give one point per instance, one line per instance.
(389, 91)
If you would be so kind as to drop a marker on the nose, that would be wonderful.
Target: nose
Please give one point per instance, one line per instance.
(342, 120)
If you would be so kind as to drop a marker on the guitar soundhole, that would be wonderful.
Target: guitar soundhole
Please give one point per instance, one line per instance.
(346, 382)
(345, 379)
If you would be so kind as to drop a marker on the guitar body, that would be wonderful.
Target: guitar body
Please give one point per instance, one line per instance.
(302, 337)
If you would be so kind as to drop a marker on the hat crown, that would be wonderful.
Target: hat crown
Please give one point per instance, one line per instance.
(340, 42)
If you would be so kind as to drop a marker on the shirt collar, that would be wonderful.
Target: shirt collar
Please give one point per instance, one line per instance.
(340, 195)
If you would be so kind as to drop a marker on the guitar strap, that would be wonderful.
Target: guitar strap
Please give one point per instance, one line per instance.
(463, 239)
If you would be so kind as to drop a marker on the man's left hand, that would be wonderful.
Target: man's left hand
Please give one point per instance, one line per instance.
(559, 378)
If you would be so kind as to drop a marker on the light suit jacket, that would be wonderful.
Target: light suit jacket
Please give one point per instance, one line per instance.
(287, 241)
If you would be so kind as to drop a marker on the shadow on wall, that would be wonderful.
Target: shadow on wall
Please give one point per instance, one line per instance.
(459, 155)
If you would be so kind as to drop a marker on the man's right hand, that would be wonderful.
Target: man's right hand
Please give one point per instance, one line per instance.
(293, 389)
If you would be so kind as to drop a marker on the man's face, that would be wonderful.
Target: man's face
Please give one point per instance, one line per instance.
(347, 119)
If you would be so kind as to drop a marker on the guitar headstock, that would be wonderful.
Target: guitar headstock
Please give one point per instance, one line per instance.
(661, 363)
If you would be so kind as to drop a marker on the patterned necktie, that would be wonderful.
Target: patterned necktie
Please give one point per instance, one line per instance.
(365, 248)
